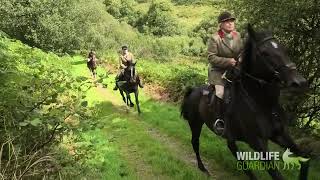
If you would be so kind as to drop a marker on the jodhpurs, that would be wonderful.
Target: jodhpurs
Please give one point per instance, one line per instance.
(219, 91)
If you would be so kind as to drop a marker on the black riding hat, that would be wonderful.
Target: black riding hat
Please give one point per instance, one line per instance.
(224, 16)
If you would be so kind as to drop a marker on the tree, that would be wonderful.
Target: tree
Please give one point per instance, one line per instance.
(160, 20)
(296, 24)
(123, 10)
(60, 26)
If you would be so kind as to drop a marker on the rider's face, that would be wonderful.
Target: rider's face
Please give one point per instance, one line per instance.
(125, 51)
(228, 25)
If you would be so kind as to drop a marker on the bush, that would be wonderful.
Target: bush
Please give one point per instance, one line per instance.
(160, 20)
(63, 26)
(200, 2)
(196, 47)
(123, 10)
(37, 98)
(182, 79)
(206, 28)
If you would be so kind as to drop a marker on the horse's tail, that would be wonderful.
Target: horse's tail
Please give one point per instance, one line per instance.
(184, 105)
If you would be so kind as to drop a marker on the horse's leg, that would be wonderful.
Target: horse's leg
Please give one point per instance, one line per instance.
(196, 126)
(234, 149)
(123, 98)
(136, 94)
(94, 73)
(285, 141)
(129, 97)
(262, 146)
(91, 71)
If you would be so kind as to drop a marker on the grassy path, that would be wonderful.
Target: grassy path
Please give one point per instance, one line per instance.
(144, 154)
(156, 144)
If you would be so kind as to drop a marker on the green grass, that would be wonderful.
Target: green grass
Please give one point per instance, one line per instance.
(188, 16)
(191, 15)
(96, 157)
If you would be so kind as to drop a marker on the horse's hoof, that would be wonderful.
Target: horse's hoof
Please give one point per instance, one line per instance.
(203, 169)
(131, 105)
(253, 178)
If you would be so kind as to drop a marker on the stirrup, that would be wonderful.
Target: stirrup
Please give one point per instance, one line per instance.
(216, 123)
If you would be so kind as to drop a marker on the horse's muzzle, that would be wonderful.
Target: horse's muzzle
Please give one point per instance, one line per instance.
(297, 83)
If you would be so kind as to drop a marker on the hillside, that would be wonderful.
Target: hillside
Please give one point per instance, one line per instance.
(57, 122)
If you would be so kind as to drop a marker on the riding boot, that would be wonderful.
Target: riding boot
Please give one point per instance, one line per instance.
(211, 100)
(139, 82)
(219, 122)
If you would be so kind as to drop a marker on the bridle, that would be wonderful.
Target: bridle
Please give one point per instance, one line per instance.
(275, 70)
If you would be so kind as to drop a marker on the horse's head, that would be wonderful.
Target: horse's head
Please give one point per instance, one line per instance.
(267, 59)
(129, 72)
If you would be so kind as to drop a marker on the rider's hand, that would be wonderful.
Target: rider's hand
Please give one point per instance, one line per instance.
(232, 62)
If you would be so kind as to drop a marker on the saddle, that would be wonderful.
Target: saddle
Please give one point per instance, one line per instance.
(210, 92)
(127, 77)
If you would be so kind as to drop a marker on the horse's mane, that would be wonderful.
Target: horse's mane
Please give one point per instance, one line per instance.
(249, 49)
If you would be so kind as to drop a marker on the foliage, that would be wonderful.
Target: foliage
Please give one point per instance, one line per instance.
(123, 10)
(175, 76)
(170, 47)
(296, 24)
(160, 20)
(63, 26)
(73, 26)
(206, 28)
(199, 2)
(37, 98)
(185, 77)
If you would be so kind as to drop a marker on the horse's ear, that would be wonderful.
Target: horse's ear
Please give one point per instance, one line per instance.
(251, 31)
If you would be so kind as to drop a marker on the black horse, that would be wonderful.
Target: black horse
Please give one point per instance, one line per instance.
(128, 84)
(253, 115)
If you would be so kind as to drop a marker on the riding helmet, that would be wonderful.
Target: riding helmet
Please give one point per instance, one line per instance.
(124, 47)
(224, 16)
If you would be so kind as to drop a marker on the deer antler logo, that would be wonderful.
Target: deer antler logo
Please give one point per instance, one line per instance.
(293, 161)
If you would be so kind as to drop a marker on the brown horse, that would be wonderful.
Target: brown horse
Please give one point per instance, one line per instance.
(254, 114)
